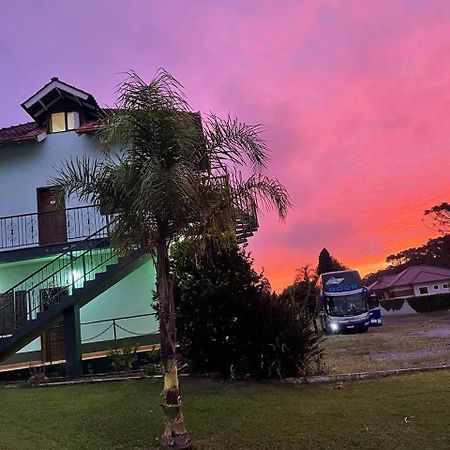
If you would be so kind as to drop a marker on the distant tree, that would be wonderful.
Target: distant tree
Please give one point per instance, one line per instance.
(440, 217)
(371, 277)
(436, 252)
(303, 292)
(328, 263)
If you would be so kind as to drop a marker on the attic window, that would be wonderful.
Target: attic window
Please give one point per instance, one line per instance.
(64, 121)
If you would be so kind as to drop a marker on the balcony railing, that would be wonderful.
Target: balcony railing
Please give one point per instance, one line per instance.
(56, 227)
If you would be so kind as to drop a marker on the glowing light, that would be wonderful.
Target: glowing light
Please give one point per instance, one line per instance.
(75, 276)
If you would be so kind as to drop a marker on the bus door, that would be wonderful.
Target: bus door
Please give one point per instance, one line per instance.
(376, 319)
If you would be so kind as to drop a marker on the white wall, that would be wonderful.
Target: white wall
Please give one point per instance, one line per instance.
(431, 290)
(25, 167)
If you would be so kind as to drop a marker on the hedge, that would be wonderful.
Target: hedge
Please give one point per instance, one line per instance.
(430, 303)
(392, 304)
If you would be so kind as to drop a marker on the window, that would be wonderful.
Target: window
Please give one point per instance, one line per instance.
(423, 290)
(436, 286)
(445, 286)
(64, 121)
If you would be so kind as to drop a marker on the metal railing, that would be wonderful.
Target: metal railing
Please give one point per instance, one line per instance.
(246, 217)
(116, 329)
(69, 271)
(55, 227)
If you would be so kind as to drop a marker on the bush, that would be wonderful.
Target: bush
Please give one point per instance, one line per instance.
(153, 366)
(430, 303)
(230, 323)
(288, 344)
(123, 359)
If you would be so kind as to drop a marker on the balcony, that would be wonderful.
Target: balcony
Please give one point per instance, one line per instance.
(74, 224)
(51, 228)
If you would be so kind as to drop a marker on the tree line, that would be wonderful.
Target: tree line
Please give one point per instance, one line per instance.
(435, 252)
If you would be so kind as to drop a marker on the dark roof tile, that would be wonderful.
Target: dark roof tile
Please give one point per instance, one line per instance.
(21, 132)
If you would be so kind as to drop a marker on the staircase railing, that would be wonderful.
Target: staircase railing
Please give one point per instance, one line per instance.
(246, 221)
(61, 276)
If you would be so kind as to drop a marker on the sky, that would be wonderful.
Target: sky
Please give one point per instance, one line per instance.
(354, 96)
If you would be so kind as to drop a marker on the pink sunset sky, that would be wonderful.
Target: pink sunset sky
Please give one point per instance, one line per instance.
(354, 96)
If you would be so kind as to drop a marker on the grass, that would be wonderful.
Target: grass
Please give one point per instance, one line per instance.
(402, 342)
(223, 415)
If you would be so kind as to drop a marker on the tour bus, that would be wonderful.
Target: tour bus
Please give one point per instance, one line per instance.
(346, 305)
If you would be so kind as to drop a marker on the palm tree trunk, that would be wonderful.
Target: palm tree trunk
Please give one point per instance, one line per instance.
(175, 435)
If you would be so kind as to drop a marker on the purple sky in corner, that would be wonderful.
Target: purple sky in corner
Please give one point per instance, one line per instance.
(354, 95)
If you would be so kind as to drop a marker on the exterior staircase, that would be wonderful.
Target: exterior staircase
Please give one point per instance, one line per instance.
(87, 269)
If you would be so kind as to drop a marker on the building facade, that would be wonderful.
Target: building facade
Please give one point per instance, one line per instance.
(414, 281)
(57, 270)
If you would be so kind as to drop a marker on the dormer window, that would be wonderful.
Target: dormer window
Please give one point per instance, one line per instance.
(64, 121)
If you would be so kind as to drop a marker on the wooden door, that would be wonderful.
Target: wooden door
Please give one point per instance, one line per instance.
(51, 219)
(52, 341)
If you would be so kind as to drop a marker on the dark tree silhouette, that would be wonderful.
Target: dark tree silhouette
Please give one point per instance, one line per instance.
(328, 263)
(440, 217)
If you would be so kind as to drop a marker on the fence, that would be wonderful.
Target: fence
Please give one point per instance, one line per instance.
(118, 328)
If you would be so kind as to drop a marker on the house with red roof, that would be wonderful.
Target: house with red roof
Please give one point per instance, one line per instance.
(414, 281)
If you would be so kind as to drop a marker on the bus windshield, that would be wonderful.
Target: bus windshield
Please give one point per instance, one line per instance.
(345, 305)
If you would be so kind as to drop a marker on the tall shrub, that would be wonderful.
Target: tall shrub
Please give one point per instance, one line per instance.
(230, 323)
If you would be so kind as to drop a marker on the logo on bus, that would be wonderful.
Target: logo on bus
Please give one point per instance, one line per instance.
(348, 287)
(334, 280)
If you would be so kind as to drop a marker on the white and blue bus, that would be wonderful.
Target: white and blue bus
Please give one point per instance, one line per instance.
(346, 305)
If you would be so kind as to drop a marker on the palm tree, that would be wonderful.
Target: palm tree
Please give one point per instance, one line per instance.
(167, 175)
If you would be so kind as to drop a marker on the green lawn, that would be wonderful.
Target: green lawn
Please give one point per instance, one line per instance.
(223, 415)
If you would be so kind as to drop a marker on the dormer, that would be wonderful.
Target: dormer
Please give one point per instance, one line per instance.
(60, 107)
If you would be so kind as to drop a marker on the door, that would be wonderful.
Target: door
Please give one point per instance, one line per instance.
(51, 219)
(376, 319)
(52, 341)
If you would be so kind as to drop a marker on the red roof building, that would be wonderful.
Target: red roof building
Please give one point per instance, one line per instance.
(46, 107)
(414, 281)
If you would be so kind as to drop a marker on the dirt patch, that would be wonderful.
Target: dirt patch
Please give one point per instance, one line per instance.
(414, 355)
(440, 333)
(421, 340)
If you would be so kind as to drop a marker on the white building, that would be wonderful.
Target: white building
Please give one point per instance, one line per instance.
(414, 281)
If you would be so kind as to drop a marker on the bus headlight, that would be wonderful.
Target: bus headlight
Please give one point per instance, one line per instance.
(334, 326)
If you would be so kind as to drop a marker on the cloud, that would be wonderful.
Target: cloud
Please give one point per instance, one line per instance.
(355, 97)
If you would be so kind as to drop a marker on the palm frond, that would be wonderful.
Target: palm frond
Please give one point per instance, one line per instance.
(232, 142)
(262, 191)
(164, 92)
(80, 176)
(164, 174)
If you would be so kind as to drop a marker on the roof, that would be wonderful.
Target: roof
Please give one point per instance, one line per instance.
(22, 132)
(383, 282)
(55, 91)
(412, 275)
